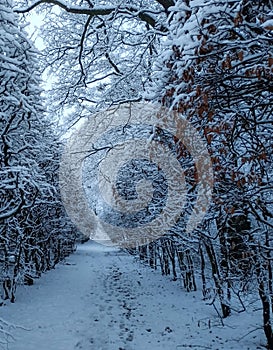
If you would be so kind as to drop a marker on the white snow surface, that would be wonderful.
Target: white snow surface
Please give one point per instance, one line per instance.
(103, 299)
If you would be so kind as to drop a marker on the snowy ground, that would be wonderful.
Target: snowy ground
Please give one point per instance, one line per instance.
(102, 299)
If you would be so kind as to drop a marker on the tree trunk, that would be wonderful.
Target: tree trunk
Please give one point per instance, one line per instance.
(216, 277)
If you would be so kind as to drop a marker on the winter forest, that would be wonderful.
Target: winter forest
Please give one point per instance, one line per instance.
(145, 125)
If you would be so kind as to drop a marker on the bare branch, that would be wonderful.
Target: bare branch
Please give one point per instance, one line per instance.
(113, 64)
(82, 42)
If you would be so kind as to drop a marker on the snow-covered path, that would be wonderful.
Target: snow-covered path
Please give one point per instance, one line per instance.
(102, 299)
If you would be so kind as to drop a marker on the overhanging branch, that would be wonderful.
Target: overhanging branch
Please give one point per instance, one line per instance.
(97, 11)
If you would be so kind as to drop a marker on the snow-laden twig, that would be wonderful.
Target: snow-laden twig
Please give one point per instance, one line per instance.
(5, 333)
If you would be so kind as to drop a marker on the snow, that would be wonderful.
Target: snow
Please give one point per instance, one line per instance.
(268, 24)
(103, 299)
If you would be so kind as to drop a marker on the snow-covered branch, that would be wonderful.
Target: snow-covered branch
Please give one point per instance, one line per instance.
(145, 15)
